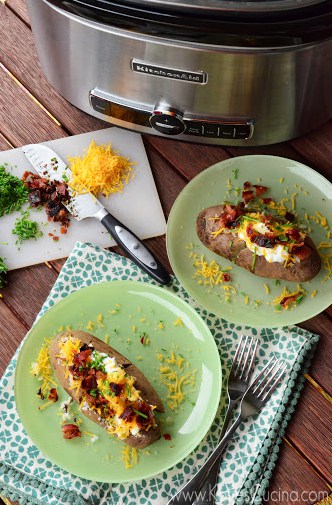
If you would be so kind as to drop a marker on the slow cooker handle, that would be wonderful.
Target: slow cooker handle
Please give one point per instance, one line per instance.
(135, 249)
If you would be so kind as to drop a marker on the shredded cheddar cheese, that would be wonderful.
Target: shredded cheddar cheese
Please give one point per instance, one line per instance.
(178, 322)
(288, 299)
(129, 456)
(113, 375)
(173, 376)
(100, 171)
(42, 369)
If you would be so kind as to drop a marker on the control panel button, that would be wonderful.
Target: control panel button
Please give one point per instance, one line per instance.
(227, 131)
(194, 128)
(210, 130)
(169, 124)
(100, 105)
(242, 131)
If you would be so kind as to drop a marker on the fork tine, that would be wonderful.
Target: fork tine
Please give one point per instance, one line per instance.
(240, 361)
(277, 379)
(238, 349)
(251, 363)
(244, 356)
(267, 381)
(268, 371)
(256, 381)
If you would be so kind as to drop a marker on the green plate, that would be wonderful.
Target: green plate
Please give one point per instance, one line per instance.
(216, 184)
(124, 304)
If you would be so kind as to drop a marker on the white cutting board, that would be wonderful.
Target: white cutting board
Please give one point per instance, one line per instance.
(138, 206)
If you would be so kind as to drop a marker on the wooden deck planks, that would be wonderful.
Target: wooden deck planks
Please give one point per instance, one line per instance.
(172, 163)
(20, 8)
(294, 482)
(22, 121)
(19, 55)
(310, 430)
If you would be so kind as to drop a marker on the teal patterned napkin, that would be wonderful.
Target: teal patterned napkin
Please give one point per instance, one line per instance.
(249, 458)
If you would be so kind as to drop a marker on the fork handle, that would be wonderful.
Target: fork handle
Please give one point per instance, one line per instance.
(207, 496)
(188, 493)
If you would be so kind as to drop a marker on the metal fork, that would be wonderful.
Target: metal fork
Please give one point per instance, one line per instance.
(253, 400)
(238, 382)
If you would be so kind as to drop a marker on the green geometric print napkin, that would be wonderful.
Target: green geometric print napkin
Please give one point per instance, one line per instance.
(249, 458)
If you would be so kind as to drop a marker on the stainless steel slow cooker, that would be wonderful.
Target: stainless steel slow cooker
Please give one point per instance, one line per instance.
(211, 71)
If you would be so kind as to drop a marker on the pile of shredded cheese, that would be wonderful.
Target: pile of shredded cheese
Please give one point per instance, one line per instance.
(298, 295)
(129, 456)
(173, 376)
(211, 274)
(100, 171)
(42, 369)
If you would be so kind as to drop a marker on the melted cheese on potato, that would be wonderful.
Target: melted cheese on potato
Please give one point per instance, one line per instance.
(278, 253)
(116, 374)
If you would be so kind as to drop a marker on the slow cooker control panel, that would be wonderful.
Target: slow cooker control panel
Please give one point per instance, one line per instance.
(170, 121)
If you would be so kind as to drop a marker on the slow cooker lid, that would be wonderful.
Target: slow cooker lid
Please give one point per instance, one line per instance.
(198, 21)
(225, 5)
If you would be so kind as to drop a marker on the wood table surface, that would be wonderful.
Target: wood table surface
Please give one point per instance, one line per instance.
(32, 111)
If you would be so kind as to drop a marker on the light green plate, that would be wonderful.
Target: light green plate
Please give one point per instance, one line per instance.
(143, 306)
(284, 177)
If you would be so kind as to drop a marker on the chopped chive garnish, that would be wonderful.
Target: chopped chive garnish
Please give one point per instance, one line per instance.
(140, 413)
(254, 259)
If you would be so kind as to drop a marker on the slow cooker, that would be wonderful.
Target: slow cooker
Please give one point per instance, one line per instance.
(212, 71)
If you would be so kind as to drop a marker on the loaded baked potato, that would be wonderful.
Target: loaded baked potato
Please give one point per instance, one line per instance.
(266, 246)
(109, 389)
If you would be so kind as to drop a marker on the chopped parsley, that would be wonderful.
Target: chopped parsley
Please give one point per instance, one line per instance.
(3, 272)
(26, 229)
(13, 193)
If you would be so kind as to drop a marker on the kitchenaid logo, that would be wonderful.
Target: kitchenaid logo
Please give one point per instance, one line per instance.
(169, 73)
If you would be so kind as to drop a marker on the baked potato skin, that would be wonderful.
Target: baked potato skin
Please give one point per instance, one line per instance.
(235, 250)
(148, 393)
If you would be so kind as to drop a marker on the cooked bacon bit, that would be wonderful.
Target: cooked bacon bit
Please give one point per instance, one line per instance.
(288, 300)
(228, 217)
(144, 416)
(247, 185)
(289, 216)
(86, 347)
(116, 388)
(82, 357)
(53, 395)
(167, 436)
(63, 230)
(249, 230)
(39, 393)
(226, 277)
(128, 414)
(247, 196)
(292, 247)
(262, 241)
(294, 234)
(260, 189)
(267, 200)
(101, 375)
(70, 431)
(51, 194)
(95, 401)
(54, 237)
(89, 382)
(302, 252)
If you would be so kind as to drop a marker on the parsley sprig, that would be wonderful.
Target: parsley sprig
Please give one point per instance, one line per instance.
(3, 272)
(13, 193)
